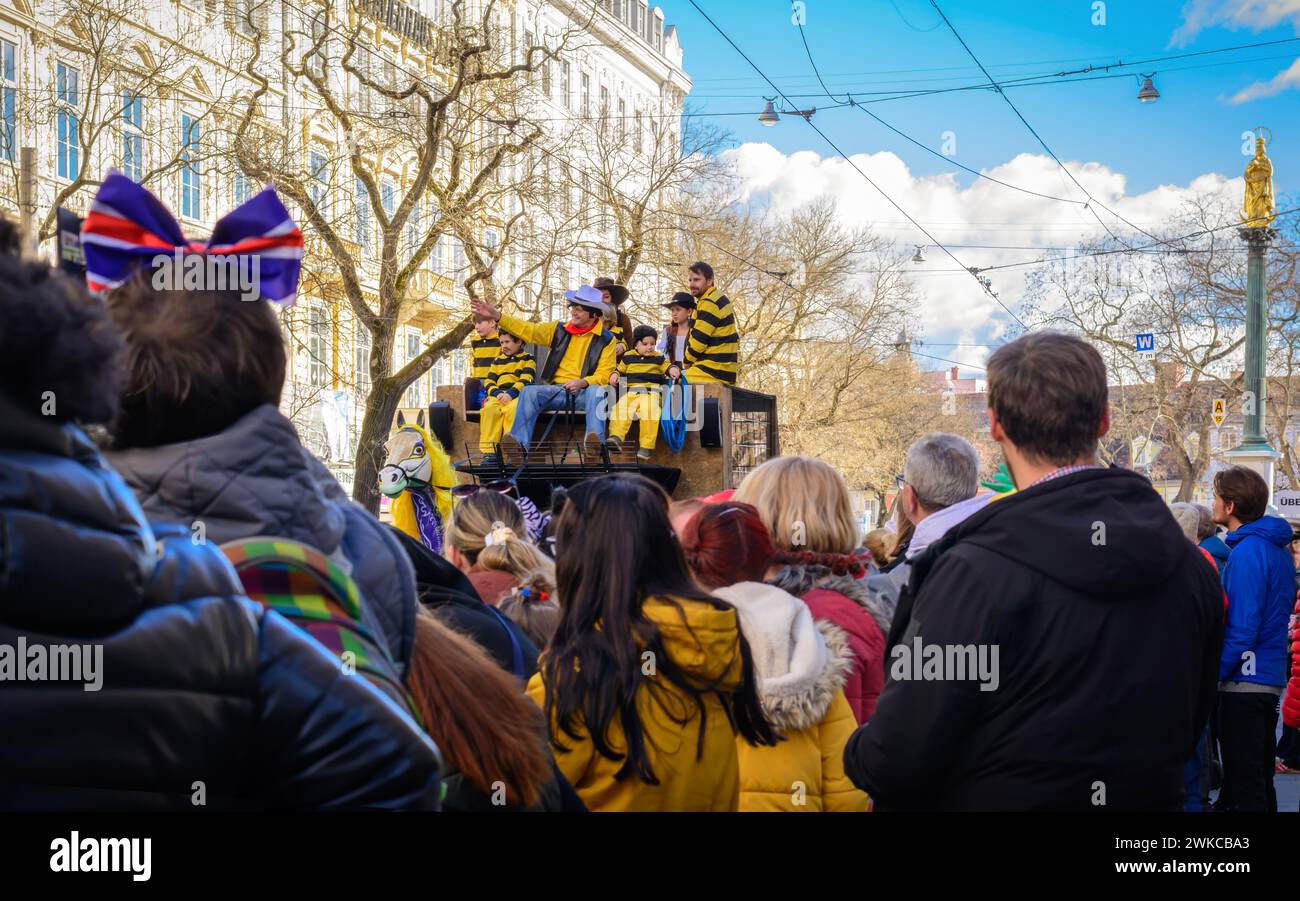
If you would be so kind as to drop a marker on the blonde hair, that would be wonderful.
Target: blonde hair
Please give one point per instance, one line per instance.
(489, 531)
(539, 619)
(880, 542)
(804, 503)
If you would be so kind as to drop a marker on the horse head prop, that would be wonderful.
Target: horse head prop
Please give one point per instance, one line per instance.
(417, 476)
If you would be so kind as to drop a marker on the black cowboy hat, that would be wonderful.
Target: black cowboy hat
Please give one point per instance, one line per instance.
(681, 299)
(617, 293)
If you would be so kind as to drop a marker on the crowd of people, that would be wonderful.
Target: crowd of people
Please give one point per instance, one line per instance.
(1069, 644)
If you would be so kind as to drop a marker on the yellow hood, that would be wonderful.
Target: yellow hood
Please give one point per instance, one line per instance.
(702, 640)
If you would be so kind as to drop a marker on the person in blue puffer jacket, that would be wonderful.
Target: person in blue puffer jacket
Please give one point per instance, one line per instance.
(1259, 580)
(171, 690)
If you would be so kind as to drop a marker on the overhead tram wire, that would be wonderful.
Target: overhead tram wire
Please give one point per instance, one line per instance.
(850, 102)
(1058, 77)
(933, 240)
(1035, 133)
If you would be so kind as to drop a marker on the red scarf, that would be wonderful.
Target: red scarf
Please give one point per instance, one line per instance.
(574, 330)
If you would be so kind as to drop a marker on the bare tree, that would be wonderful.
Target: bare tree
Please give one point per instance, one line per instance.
(390, 160)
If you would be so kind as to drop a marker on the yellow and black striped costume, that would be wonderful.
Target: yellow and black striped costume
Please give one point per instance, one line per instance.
(639, 374)
(509, 374)
(483, 352)
(713, 346)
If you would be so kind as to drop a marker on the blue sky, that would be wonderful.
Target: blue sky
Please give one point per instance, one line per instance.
(1192, 129)
(1145, 161)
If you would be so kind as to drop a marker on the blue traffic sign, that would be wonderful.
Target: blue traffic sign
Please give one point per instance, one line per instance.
(1146, 341)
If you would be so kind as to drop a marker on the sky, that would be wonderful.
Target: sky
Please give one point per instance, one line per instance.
(1141, 160)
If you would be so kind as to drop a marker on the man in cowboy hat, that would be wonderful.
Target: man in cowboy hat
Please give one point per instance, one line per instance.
(580, 362)
(615, 295)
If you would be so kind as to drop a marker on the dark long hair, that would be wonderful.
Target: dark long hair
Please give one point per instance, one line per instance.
(616, 548)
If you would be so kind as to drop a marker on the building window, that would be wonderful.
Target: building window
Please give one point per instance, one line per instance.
(586, 95)
(414, 396)
(490, 240)
(8, 100)
(132, 136)
(413, 235)
(361, 228)
(458, 256)
(191, 177)
(622, 119)
(361, 358)
(566, 84)
(318, 347)
(636, 125)
(604, 103)
(546, 79)
(68, 122)
(244, 189)
(387, 196)
(318, 187)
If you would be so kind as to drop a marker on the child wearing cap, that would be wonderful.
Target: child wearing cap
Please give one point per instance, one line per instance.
(678, 330)
(513, 370)
(642, 372)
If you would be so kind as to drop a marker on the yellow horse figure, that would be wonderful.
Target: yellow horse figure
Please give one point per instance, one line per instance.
(417, 477)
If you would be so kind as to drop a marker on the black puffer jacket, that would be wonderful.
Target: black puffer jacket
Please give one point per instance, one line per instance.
(201, 696)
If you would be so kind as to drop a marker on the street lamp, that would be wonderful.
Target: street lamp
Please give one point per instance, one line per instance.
(1148, 93)
(771, 115)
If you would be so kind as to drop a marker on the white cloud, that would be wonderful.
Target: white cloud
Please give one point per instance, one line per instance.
(1253, 15)
(953, 308)
(1287, 78)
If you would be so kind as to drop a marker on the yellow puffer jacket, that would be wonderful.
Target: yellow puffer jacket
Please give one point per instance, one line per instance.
(706, 646)
(801, 665)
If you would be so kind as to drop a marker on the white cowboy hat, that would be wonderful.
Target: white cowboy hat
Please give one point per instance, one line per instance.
(587, 296)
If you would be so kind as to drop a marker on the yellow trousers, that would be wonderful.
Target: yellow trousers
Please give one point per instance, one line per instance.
(495, 419)
(644, 406)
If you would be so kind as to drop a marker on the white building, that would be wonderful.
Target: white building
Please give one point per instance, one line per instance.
(89, 91)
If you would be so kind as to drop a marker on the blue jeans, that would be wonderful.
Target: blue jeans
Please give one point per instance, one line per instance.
(534, 399)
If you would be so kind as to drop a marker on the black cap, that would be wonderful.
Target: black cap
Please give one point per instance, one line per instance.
(682, 299)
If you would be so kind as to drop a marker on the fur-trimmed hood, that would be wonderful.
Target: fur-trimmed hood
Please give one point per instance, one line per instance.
(800, 662)
(801, 579)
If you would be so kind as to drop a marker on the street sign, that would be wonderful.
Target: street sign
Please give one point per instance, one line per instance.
(1146, 341)
(1287, 502)
(1220, 411)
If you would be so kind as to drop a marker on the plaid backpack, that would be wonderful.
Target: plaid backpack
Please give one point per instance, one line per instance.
(311, 591)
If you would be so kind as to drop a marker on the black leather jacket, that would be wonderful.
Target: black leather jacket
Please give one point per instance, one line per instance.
(203, 699)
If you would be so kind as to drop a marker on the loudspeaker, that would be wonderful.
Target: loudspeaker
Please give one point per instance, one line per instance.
(440, 413)
(711, 423)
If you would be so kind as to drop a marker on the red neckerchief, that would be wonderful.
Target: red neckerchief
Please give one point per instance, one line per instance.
(574, 330)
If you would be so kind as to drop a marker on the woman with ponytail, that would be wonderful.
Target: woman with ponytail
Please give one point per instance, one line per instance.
(487, 540)
(802, 666)
(806, 507)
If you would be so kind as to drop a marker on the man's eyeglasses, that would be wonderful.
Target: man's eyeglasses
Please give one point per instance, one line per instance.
(501, 486)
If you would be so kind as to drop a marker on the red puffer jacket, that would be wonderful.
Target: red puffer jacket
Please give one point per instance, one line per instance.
(866, 640)
(1291, 702)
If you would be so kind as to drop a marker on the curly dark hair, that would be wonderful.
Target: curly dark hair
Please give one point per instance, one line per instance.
(59, 353)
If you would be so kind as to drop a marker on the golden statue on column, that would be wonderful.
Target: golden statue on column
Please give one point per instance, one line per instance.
(1257, 206)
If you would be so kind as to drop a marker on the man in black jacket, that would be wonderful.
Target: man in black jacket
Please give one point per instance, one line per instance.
(1063, 645)
(171, 690)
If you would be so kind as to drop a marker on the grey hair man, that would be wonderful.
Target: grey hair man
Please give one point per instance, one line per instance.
(940, 481)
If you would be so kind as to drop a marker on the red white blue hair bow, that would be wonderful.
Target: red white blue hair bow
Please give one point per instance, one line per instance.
(128, 228)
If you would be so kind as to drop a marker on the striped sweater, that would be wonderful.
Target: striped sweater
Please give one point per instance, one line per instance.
(509, 374)
(483, 352)
(713, 347)
(639, 374)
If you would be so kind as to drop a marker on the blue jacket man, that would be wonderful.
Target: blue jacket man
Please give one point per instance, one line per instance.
(1259, 580)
